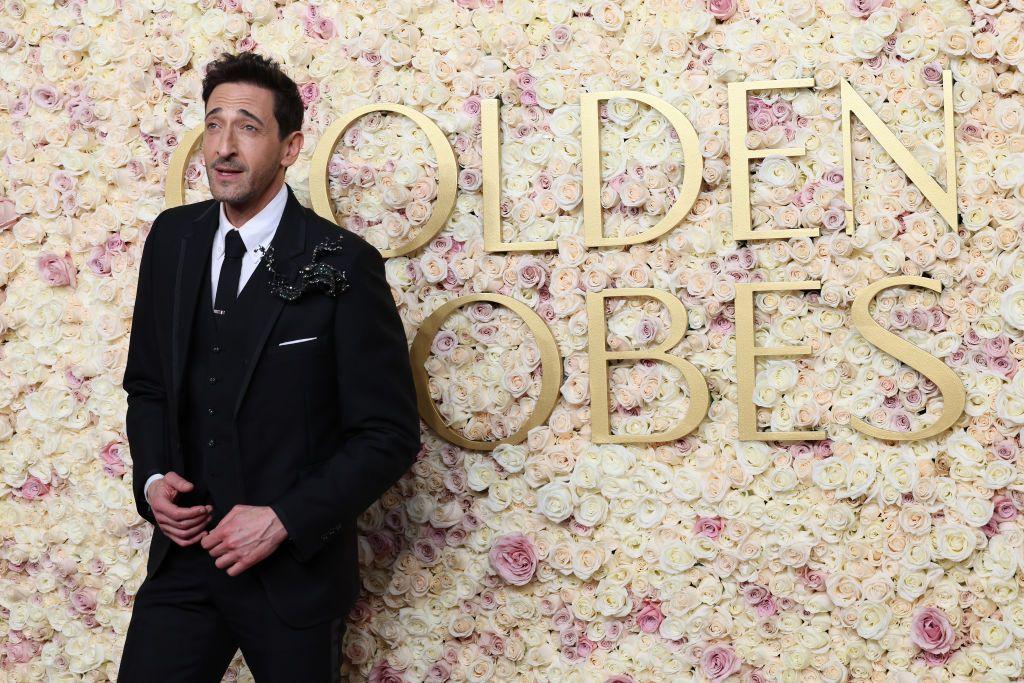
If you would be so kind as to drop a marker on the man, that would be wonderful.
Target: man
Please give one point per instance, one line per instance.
(261, 423)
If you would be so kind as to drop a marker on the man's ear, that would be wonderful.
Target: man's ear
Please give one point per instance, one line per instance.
(295, 143)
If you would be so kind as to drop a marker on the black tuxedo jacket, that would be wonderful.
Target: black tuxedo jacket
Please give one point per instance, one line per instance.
(322, 428)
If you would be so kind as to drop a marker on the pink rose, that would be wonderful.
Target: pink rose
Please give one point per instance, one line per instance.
(443, 343)
(114, 243)
(84, 601)
(762, 120)
(439, 672)
(931, 631)
(1003, 509)
(22, 652)
(113, 463)
(932, 659)
(383, 673)
(8, 216)
(931, 73)
(513, 557)
(721, 9)
(33, 488)
(56, 271)
(309, 92)
(766, 608)
(1005, 449)
(426, 551)
(708, 526)
(71, 379)
(619, 678)
(646, 330)
(99, 261)
(719, 662)
(649, 618)
(471, 105)
(862, 8)
(754, 594)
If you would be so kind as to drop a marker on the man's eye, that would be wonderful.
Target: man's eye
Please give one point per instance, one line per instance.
(210, 124)
(251, 126)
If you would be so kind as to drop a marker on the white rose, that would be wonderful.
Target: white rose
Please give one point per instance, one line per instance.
(753, 456)
(554, 501)
(777, 171)
(873, 621)
(592, 509)
(676, 557)
(953, 542)
(587, 559)
(1011, 306)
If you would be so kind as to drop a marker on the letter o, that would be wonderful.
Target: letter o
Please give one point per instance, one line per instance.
(447, 169)
(550, 362)
(174, 191)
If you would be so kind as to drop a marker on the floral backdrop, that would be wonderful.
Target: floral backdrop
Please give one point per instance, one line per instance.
(705, 558)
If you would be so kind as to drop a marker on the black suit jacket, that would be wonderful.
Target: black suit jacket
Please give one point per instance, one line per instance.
(322, 428)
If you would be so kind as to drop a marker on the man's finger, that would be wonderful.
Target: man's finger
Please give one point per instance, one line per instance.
(218, 548)
(238, 567)
(184, 524)
(226, 560)
(213, 540)
(195, 536)
(182, 514)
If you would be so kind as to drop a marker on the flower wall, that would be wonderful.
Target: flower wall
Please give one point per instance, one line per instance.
(705, 558)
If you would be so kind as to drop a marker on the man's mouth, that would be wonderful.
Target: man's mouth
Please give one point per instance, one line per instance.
(227, 173)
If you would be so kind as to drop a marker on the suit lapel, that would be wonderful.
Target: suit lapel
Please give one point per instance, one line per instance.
(193, 263)
(261, 308)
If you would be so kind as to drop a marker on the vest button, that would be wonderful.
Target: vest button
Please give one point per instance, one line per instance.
(211, 443)
(211, 411)
(213, 380)
(216, 349)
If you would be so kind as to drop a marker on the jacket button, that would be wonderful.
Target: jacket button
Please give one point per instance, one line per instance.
(211, 443)
(211, 411)
(213, 380)
(216, 349)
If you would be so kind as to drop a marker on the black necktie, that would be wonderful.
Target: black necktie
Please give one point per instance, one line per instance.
(230, 270)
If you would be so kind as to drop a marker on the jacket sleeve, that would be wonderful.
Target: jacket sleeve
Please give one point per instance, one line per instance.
(146, 417)
(378, 413)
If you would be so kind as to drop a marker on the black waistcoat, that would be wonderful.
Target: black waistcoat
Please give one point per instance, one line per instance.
(218, 347)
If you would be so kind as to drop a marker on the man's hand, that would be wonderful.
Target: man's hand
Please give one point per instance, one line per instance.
(182, 525)
(246, 535)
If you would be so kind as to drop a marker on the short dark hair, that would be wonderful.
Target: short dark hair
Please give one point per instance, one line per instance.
(249, 67)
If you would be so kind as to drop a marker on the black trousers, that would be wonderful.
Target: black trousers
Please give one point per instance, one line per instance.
(190, 618)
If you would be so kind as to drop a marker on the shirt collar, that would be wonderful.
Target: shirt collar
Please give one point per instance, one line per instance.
(258, 230)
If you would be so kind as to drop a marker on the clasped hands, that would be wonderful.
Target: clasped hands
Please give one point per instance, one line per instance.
(246, 535)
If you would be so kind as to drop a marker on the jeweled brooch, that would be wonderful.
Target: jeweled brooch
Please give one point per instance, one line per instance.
(313, 275)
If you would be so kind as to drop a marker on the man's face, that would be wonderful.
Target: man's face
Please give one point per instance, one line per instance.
(241, 135)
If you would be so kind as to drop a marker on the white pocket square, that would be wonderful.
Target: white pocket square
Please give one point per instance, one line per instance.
(296, 341)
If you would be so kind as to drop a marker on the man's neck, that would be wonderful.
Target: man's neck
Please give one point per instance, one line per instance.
(238, 216)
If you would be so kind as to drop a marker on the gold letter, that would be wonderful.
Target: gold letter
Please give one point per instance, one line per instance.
(740, 156)
(174, 192)
(954, 396)
(447, 171)
(746, 360)
(943, 200)
(692, 170)
(489, 133)
(550, 363)
(600, 356)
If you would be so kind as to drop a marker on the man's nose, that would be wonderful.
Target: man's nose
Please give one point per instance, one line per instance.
(226, 144)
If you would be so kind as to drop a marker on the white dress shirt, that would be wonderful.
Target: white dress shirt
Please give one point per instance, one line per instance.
(256, 232)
